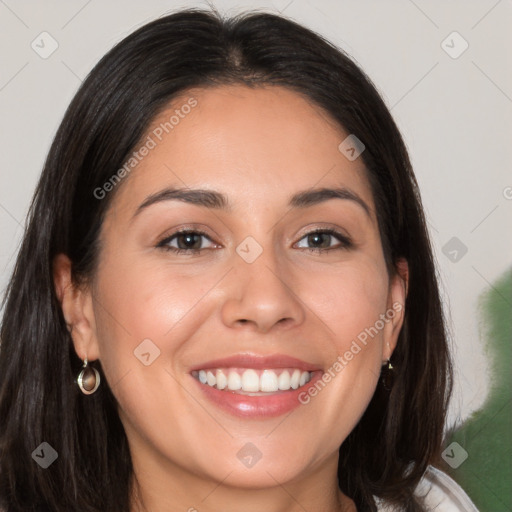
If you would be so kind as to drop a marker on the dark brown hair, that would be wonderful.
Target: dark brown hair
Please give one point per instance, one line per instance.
(400, 433)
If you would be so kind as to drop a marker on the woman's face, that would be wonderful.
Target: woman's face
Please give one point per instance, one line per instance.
(251, 280)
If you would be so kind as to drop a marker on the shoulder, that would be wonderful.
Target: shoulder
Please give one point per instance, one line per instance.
(442, 493)
(439, 493)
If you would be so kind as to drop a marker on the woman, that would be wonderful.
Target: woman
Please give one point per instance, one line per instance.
(225, 298)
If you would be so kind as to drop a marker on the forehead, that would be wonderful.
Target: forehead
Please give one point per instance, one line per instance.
(258, 145)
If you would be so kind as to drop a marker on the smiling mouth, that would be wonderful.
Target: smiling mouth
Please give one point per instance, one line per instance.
(255, 382)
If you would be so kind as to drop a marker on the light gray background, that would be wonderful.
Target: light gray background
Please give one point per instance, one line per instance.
(454, 113)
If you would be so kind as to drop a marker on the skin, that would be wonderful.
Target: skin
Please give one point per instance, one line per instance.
(259, 147)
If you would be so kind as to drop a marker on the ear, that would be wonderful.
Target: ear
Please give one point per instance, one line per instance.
(395, 312)
(77, 308)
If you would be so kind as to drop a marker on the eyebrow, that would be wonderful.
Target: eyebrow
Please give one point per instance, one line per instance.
(219, 201)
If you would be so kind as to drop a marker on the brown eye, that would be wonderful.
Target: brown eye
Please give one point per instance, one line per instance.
(184, 242)
(321, 240)
(189, 241)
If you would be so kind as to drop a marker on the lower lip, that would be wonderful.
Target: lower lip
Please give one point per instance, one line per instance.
(263, 406)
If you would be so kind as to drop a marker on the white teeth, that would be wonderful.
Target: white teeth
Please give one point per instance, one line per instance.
(268, 381)
(210, 379)
(222, 380)
(234, 381)
(294, 381)
(284, 381)
(252, 381)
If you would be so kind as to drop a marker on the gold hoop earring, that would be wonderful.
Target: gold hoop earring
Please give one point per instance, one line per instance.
(88, 379)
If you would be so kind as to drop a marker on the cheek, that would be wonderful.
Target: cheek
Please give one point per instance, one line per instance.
(143, 308)
(350, 299)
(350, 302)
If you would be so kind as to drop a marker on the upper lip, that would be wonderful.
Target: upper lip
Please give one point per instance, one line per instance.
(258, 362)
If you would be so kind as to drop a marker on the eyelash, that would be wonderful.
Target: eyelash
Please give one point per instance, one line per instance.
(345, 242)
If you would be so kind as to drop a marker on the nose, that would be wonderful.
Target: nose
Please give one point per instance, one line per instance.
(262, 295)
